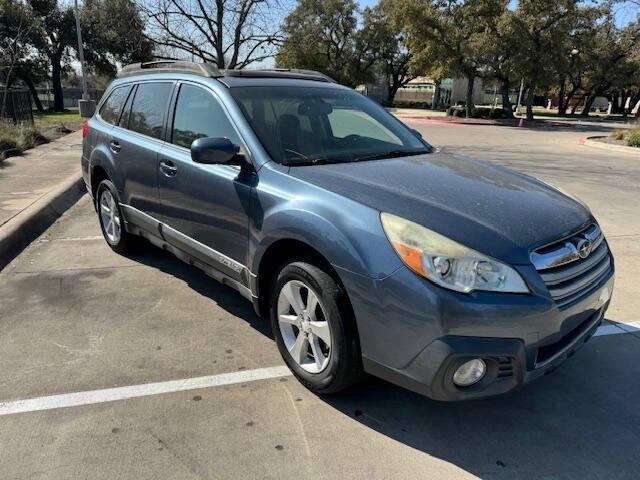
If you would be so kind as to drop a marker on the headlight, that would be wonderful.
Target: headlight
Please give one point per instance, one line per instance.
(448, 263)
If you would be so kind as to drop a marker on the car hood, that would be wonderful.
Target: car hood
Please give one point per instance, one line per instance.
(489, 208)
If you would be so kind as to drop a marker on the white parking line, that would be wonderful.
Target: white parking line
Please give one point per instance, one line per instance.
(90, 397)
(617, 328)
(71, 239)
(122, 393)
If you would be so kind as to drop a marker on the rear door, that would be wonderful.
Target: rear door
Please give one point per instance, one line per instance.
(205, 206)
(101, 125)
(136, 142)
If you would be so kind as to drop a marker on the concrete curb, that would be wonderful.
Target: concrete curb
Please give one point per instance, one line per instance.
(592, 142)
(18, 232)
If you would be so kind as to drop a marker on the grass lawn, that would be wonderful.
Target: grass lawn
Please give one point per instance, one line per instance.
(48, 126)
(54, 124)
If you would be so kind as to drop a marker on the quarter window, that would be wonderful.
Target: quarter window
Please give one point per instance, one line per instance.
(112, 108)
(148, 108)
(198, 114)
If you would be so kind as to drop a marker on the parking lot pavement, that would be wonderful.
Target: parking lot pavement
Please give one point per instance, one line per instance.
(77, 318)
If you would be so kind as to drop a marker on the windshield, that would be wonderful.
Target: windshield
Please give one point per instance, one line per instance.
(303, 125)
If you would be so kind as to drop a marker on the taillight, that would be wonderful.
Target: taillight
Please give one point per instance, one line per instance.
(85, 129)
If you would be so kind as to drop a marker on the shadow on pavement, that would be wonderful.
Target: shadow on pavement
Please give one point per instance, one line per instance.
(581, 421)
(225, 297)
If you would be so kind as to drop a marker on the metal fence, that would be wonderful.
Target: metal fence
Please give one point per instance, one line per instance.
(71, 96)
(15, 106)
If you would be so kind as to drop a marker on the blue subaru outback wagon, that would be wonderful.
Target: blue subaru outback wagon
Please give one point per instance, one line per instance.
(368, 249)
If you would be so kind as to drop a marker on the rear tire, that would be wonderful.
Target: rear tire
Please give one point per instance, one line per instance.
(112, 221)
(314, 328)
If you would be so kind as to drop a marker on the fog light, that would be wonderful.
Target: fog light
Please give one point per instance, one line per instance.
(470, 372)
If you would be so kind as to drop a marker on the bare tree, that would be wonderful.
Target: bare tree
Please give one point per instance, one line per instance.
(16, 25)
(229, 33)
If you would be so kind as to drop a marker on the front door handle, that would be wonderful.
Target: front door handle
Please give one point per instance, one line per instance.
(168, 168)
(114, 146)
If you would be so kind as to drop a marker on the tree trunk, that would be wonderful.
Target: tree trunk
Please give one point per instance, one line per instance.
(392, 89)
(615, 103)
(562, 105)
(588, 103)
(436, 94)
(623, 103)
(576, 104)
(530, 94)
(56, 82)
(469, 99)
(34, 93)
(632, 103)
(506, 101)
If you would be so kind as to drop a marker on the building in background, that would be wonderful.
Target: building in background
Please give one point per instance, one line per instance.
(425, 92)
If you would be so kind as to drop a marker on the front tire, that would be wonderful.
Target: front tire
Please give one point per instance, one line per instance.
(111, 219)
(314, 328)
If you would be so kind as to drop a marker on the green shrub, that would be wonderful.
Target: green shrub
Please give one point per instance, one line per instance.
(30, 137)
(15, 139)
(633, 140)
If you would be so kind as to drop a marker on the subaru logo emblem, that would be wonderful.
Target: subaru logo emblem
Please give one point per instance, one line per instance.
(583, 247)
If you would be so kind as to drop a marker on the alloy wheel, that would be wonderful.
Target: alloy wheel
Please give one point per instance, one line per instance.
(304, 327)
(110, 217)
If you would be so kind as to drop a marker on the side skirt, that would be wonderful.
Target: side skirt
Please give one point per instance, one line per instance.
(147, 227)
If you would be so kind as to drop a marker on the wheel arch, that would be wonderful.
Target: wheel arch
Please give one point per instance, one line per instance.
(276, 255)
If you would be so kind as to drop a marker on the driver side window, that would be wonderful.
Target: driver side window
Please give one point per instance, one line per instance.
(198, 114)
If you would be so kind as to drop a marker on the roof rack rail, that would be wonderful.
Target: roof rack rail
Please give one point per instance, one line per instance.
(282, 73)
(171, 66)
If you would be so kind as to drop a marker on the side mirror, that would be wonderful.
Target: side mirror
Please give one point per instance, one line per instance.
(416, 133)
(213, 150)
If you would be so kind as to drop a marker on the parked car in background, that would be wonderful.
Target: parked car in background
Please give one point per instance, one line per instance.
(368, 249)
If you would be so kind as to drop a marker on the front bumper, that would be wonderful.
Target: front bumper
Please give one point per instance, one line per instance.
(506, 359)
(423, 341)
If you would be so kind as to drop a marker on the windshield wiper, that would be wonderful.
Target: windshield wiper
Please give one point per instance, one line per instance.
(390, 154)
(315, 161)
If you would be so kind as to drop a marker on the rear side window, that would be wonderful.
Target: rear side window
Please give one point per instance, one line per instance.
(148, 108)
(112, 108)
(199, 115)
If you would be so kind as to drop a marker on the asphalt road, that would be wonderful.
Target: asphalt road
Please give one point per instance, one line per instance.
(75, 317)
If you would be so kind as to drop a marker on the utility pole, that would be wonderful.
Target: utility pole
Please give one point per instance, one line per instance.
(86, 105)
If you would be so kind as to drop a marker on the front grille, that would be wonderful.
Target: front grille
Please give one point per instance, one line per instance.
(572, 267)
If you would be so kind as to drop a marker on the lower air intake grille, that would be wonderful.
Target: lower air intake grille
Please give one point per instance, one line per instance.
(505, 367)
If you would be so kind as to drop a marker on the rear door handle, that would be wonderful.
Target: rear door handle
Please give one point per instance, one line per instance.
(114, 146)
(168, 168)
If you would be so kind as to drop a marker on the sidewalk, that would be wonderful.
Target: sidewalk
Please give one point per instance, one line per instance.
(36, 188)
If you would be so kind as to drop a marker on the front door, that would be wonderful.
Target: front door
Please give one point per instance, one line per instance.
(205, 206)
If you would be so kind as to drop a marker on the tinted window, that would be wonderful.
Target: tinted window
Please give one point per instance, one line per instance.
(300, 125)
(124, 118)
(199, 115)
(148, 108)
(110, 111)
